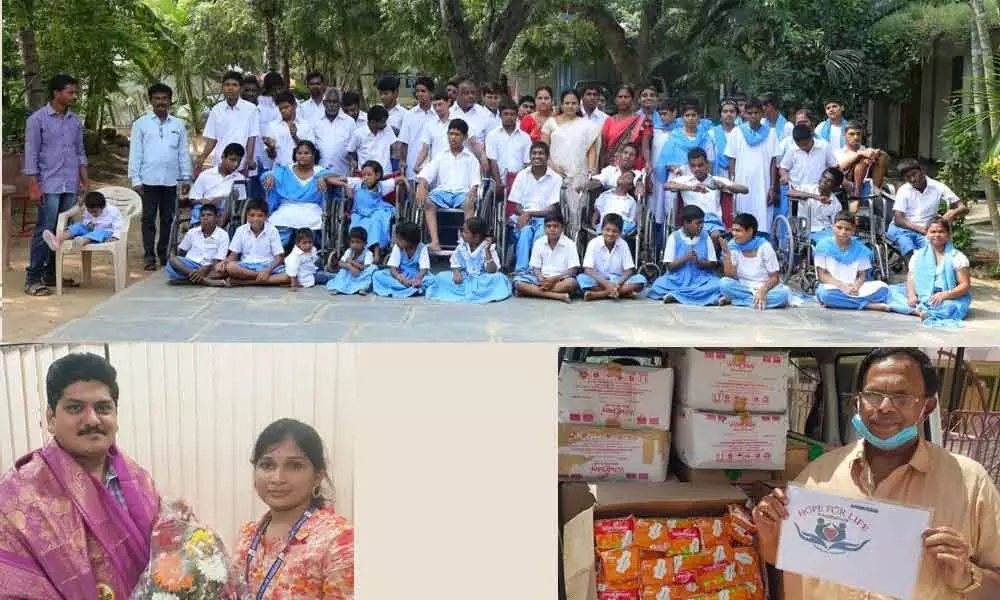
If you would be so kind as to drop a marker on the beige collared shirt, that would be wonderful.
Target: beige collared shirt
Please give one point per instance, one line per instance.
(957, 489)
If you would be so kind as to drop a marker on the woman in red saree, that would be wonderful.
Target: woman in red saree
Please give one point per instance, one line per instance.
(626, 125)
(532, 124)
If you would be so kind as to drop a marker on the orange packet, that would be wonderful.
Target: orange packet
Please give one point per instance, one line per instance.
(614, 534)
(705, 558)
(632, 594)
(714, 530)
(668, 592)
(670, 536)
(718, 577)
(741, 592)
(609, 588)
(741, 526)
(620, 566)
(747, 563)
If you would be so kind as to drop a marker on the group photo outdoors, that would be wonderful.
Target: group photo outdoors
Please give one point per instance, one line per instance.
(473, 196)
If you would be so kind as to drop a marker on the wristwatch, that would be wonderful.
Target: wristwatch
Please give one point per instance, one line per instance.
(977, 581)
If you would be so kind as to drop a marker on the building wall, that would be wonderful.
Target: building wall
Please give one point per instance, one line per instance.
(190, 414)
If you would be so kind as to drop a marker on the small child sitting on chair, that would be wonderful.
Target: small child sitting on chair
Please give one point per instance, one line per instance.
(101, 223)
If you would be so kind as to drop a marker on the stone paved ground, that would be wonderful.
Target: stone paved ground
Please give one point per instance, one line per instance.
(154, 311)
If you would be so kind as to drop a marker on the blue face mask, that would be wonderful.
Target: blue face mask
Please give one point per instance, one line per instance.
(905, 436)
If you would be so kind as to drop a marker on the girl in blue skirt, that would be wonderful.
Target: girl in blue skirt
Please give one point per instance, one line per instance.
(475, 276)
(356, 267)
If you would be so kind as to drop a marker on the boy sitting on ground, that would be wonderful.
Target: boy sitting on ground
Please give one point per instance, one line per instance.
(554, 264)
(256, 256)
(204, 249)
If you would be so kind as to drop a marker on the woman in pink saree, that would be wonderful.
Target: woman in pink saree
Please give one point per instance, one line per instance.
(76, 515)
(625, 126)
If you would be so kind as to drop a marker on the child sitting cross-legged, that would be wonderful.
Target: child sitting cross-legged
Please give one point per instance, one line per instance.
(204, 251)
(608, 267)
(554, 264)
(690, 262)
(355, 268)
(256, 255)
(101, 223)
(407, 270)
(475, 276)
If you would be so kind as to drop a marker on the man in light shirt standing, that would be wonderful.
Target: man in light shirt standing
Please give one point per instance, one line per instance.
(157, 159)
(413, 125)
(232, 120)
(507, 148)
(475, 116)
(591, 96)
(282, 136)
(312, 109)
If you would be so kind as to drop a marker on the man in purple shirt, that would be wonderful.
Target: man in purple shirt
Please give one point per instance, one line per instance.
(55, 163)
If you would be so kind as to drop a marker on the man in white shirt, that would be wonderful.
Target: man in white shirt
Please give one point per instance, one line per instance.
(751, 150)
(388, 93)
(536, 191)
(492, 97)
(507, 148)
(332, 133)
(232, 120)
(413, 125)
(591, 96)
(373, 142)
(281, 137)
(773, 117)
(917, 202)
(204, 248)
(832, 129)
(554, 265)
(214, 185)
(312, 109)
(804, 164)
(475, 116)
(256, 255)
(456, 173)
(608, 266)
(434, 136)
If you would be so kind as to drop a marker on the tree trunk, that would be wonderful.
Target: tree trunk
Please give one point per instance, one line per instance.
(35, 95)
(982, 30)
(645, 49)
(979, 93)
(483, 63)
(270, 43)
(625, 58)
(465, 53)
(286, 64)
(194, 106)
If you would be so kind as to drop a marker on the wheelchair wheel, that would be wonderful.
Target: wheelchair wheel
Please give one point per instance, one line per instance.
(783, 241)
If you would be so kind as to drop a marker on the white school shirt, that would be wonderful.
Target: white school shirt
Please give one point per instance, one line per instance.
(510, 150)
(921, 207)
(204, 250)
(669, 255)
(310, 110)
(367, 258)
(283, 143)
(303, 266)
(836, 131)
(597, 117)
(435, 135)
(554, 261)
(371, 146)
(611, 203)
(536, 194)
(396, 115)
(331, 137)
(232, 124)
(821, 216)
(213, 184)
(844, 273)
(958, 261)
(754, 272)
(452, 173)
(609, 176)
(257, 248)
(396, 255)
(478, 118)
(710, 202)
(493, 120)
(609, 263)
(807, 167)
(109, 219)
(753, 169)
(411, 134)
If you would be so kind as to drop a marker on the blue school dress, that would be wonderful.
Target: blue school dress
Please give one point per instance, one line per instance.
(346, 282)
(385, 284)
(371, 212)
(856, 253)
(79, 230)
(927, 281)
(478, 286)
(689, 284)
(293, 204)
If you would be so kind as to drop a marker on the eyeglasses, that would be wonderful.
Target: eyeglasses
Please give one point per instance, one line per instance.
(898, 401)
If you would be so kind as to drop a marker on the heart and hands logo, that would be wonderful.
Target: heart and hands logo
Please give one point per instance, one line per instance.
(830, 537)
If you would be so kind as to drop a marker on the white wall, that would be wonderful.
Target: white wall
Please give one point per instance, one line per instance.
(190, 414)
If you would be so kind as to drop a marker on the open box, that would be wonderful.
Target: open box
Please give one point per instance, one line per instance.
(581, 503)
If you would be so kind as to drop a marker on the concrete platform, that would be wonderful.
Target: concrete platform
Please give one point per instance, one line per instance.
(154, 311)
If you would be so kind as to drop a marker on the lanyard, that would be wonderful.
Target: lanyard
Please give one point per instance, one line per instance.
(280, 560)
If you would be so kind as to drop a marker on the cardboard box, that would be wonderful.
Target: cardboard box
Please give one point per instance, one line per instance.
(581, 504)
(600, 453)
(716, 440)
(721, 476)
(616, 396)
(733, 381)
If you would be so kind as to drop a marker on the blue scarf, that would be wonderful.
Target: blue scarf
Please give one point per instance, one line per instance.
(855, 251)
(924, 277)
(675, 151)
(754, 243)
(721, 138)
(755, 138)
(288, 188)
(824, 132)
(779, 124)
(659, 125)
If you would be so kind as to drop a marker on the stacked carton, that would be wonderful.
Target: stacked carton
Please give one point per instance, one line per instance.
(732, 412)
(614, 422)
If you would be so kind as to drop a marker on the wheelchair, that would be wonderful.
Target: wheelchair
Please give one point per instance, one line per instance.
(451, 220)
(234, 213)
(501, 213)
(642, 241)
(337, 220)
(792, 243)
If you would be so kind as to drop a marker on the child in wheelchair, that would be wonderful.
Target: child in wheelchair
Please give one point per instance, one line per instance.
(819, 204)
(214, 186)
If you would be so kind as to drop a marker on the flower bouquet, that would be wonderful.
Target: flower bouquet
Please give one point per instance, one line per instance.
(187, 562)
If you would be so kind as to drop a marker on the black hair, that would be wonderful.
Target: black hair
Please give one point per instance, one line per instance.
(95, 200)
(591, 86)
(257, 204)
(524, 99)
(159, 88)
(350, 99)
(854, 125)
(477, 225)
(358, 233)
(687, 105)
(303, 233)
(312, 148)
(452, 83)
(836, 174)
(906, 165)
(466, 81)
(739, 97)
(555, 216)
(650, 86)
(459, 125)
(273, 80)
(746, 221)
(808, 113)
(567, 92)
(667, 104)
(388, 84)
(425, 81)
(233, 76)
(304, 436)
(441, 95)
(692, 213)
(939, 220)
(627, 88)
(539, 145)
(285, 97)
(845, 215)
(613, 219)
(210, 208)
(730, 102)
(377, 113)
(634, 146)
(754, 103)
(375, 166)
(507, 104)
(77, 367)
(833, 100)
(251, 79)
(233, 149)
(59, 82)
(313, 75)
(801, 133)
(545, 88)
(772, 99)
(408, 232)
(927, 369)
(697, 152)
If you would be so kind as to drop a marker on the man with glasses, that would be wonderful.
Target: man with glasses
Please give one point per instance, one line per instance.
(891, 462)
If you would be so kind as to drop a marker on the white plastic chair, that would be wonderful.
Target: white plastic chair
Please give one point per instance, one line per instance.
(130, 204)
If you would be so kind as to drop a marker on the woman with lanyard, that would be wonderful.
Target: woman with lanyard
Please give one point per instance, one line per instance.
(301, 548)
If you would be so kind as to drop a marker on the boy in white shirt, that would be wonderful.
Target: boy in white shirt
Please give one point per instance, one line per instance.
(608, 267)
(301, 264)
(204, 251)
(508, 148)
(804, 164)
(618, 201)
(821, 202)
(917, 202)
(388, 93)
(456, 173)
(832, 129)
(411, 132)
(752, 269)
(554, 265)
(373, 142)
(704, 191)
(863, 167)
(535, 193)
(214, 185)
(608, 177)
(101, 223)
(434, 135)
(256, 256)
(281, 137)
(232, 120)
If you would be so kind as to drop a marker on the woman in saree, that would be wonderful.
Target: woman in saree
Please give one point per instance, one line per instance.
(573, 151)
(625, 126)
(296, 194)
(532, 124)
(938, 286)
(301, 548)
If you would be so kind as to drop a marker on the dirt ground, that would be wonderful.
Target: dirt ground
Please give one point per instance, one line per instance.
(26, 317)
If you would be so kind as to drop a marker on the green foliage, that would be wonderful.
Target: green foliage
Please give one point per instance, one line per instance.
(14, 115)
(558, 39)
(961, 170)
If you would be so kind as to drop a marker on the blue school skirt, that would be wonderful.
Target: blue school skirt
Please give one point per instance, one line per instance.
(586, 282)
(79, 230)
(346, 282)
(174, 274)
(257, 267)
(384, 284)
